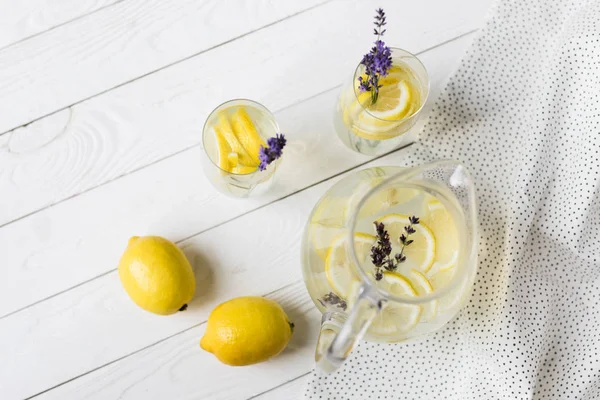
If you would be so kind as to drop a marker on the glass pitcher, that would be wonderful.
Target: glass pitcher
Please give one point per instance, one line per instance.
(389, 253)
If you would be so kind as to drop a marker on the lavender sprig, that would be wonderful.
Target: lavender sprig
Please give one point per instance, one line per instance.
(382, 250)
(377, 62)
(272, 152)
(333, 300)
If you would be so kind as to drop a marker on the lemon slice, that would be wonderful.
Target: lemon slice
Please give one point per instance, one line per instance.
(392, 104)
(423, 287)
(456, 296)
(246, 133)
(444, 229)
(386, 199)
(379, 201)
(225, 134)
(419, 254)
(395, 318)
(355, 106)
(339, 273)
(327, 223)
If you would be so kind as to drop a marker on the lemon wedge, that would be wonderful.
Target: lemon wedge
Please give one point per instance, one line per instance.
(227, 158)
(246, 133)
(421, 253)
(225, 134)
(441, 223)
(396, 318)
(338, 269)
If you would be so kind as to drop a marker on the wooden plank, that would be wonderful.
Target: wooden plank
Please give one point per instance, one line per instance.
(83, 237)
(22, 19)
(38, 343)
(147, 120)
(291, 390)
(120, 43)
(178, 368)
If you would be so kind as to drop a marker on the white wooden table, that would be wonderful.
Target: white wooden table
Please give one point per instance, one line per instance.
(102, 104)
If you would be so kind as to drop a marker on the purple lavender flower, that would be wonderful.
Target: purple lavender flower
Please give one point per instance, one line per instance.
(272, 152)
(382, 249)
(377, 62)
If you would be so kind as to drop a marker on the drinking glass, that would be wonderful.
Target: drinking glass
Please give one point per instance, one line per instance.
(374, 133)
(230, 183)
(425, 291)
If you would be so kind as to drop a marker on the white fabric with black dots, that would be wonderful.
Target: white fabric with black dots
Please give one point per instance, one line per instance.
(523, 113)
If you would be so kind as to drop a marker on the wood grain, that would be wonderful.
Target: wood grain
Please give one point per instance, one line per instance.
(156, 116)
(22, 19)
(291, 390)
(117, 44)
(83, 237)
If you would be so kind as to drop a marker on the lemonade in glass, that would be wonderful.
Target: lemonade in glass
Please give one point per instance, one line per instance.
(390, 253)
(233, 136)
(374, 128)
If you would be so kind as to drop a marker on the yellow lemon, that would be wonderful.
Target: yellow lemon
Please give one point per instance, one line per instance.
(156, 275)
(246, 330)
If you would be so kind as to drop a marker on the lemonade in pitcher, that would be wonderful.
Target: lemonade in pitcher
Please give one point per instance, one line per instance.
(412, 251)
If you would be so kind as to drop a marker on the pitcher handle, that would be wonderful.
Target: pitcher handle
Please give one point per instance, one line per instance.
(341, 331)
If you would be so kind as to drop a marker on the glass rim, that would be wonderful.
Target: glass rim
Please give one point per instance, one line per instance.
(427, 85)
(253, 103)
(468, 252)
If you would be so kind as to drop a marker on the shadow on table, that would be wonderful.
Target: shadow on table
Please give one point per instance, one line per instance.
(204, 276)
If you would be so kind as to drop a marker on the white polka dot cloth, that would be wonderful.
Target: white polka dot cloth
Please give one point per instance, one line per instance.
(523, 113)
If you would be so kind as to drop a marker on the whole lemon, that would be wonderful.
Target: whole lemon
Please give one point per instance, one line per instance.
(247, 330)
(156, 275)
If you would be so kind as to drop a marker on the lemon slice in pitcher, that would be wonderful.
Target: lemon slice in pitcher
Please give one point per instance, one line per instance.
(379, 201)
(339, 273)
(444, 229)
(327, 223)
(395, 318)
(456, 296)
(423, 287)
(421, 252)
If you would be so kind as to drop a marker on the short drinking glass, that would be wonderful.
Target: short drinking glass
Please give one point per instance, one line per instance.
(232, 136)
(376, 128)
